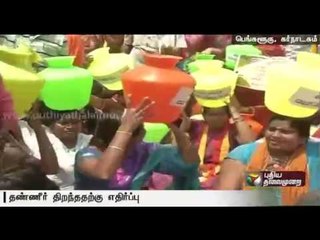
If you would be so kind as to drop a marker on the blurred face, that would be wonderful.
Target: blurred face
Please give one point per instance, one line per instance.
(281, 136)
(216, 118)
(67, 128)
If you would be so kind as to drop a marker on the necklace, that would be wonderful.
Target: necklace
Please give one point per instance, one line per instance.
(277, 163)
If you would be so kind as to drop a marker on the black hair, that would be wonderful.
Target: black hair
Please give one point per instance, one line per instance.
(302, 125)
(28, 178)
(189, 105)
(107, 126)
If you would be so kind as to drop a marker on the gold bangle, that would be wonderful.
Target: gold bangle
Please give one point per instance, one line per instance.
(129, 133)
(117, 148)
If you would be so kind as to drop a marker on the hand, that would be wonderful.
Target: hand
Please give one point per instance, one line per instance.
(177, 130)
(88, 61)
(6, 139)
(208, 51)
(218, 52)
(189, 106)
(13, 127)
(13, 154)
(34, 118)
(233, 110)
(186, 123)
(133, 117)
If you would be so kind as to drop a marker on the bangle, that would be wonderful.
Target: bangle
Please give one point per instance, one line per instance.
(126, 132)
(117, 148)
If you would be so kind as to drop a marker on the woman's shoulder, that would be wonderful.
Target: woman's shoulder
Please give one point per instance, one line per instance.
(87, 152)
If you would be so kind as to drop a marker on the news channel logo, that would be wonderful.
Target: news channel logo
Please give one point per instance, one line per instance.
(254, 179)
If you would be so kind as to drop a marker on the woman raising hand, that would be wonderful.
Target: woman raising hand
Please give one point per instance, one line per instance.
(118, 159)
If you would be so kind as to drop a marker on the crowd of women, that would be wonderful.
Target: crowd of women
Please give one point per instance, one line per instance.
(101, 147)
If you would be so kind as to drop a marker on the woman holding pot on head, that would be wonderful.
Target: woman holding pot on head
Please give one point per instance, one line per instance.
(118, 159)
(286, 147)
(63, 137)
(107, 96)
(221, 130)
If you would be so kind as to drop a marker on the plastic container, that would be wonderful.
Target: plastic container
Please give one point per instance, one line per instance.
(100, 53)
(107, 68)
(23, 86)
(155, 132)
(204, 56)
(293, 90)
(183, 65)
(214, 89)
(163, 83)
(308, 59)
(234, 51)
(22, 57)
(66, 87)
(206, 66)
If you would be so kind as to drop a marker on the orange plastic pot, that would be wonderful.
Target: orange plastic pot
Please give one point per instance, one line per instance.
(162, 82)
